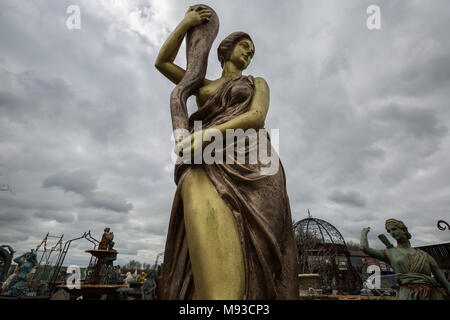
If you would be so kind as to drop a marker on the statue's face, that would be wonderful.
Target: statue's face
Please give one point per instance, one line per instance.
(396, 232)
(242, 54)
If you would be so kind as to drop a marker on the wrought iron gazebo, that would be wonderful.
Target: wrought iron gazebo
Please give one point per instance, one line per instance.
(322, 249)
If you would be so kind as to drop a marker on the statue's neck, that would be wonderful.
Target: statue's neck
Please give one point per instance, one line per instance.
(230, 71)
(403, 243)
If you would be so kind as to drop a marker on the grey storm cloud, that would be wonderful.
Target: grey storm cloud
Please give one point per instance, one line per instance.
(12, 215)
(418, 122)
(351, 198)
(107, 201)
(82, 183)
(85, 127)
(62, 217)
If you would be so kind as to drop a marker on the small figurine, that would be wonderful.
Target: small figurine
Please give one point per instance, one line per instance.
(148, 289)
(129, 278)
(414, 267)
(143, 277)
(26, 262)
(115, 279)
(107, 239)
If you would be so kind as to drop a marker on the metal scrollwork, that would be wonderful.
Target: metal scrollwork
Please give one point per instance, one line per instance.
(442, 225)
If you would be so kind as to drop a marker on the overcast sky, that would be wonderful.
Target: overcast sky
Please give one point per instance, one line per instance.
(85, 127)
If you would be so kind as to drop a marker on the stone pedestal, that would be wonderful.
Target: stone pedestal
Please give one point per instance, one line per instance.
(307, 285)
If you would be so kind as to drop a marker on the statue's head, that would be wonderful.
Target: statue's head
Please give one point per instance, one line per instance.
(238, 48)
(397, 229)
(106, 230)
(30, 256)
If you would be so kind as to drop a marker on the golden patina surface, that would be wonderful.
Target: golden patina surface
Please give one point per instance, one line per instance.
(214, 246)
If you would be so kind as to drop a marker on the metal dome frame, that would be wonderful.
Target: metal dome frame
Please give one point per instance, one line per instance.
(326, 226)
(322, 242)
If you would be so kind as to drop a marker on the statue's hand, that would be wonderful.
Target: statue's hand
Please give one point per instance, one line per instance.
(199, 15)
(196, 141)
(182, 147)
(189, 144)
(365, 231)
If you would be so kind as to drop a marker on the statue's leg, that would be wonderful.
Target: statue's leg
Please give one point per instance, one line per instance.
(215, 250)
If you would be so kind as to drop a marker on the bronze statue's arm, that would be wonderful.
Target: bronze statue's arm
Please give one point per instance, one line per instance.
(439, 275)
(169, 50)
(18, 260)
(255, 117)
(364, 243)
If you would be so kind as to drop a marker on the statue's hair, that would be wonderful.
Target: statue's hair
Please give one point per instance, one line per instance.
(227, 45)
(399, 224)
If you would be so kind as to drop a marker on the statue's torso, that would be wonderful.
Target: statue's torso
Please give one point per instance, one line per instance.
(406, 260)
(207, 91)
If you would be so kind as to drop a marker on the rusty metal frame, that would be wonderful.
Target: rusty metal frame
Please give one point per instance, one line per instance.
(62, 256)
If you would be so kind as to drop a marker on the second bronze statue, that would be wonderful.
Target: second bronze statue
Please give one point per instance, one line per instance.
(230, 233)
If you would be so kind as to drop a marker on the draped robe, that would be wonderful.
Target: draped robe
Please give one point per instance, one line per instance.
(257, 199)
(413, 273)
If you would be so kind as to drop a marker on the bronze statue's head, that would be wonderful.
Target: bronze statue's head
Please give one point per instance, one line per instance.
(106, 230)
(397, 229)
(31, 256)
(238, 47)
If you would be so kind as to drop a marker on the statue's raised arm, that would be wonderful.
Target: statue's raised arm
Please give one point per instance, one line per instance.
(364, 243)
(200, 26)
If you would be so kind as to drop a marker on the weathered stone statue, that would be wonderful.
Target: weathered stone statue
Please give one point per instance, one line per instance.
(414, 267)
(26, 262)
(106, 241)
(148, 289)
(230, 233)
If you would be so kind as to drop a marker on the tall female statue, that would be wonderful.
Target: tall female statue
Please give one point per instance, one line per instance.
(230, 233)
(413, 267)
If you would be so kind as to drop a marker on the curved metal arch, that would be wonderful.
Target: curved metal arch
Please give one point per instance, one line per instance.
(307, 225)
(334, 235)
(337, 231)
(319, 225)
